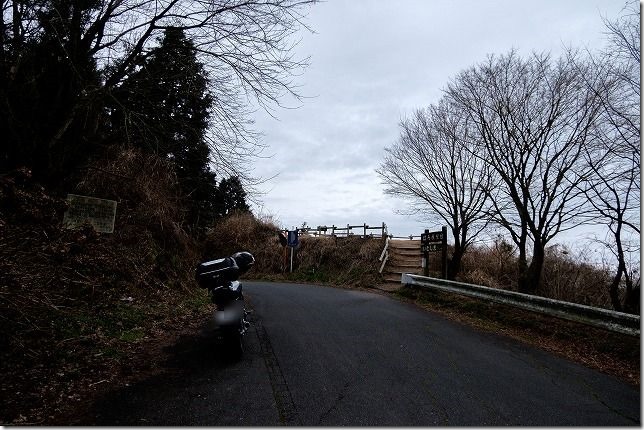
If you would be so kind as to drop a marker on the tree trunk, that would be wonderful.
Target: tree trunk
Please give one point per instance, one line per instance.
(454, 265)
(532, 277)
(632, 300)
(614, 289)
(522, 263)
(631, 296)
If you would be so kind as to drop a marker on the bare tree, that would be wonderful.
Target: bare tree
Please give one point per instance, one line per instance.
(614, 190)
(534, 117)
(246, 47)
(431, 166)
(613, 193)
(622, 101)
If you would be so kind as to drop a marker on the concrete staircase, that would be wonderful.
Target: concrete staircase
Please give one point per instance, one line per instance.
(404, 257)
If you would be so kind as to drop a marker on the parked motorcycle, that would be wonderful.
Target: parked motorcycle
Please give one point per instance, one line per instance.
(220, 277)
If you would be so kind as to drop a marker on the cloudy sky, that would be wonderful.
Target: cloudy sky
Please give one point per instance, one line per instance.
(372, 63)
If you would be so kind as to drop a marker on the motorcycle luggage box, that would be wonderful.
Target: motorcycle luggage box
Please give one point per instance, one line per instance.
(210, 273)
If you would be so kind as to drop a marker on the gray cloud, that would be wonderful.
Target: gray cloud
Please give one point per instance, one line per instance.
(374, 62)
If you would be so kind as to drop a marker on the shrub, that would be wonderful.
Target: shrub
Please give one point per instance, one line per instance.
(244, 232)
(340, 260)
(568, 277)
(565, 276)
(492, 266)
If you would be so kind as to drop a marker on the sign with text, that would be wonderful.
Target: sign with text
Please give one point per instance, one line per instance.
(433, 236)
(100, 213)
(434, 242)
(431, 247)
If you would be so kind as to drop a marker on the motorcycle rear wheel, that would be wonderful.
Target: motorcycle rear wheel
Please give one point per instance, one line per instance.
(234, 344)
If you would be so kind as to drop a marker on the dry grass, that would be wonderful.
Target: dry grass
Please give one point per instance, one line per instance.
(569, 278)
(348, 261)
(146, 189)
(244, 232)
(491, 266)
(565, 276)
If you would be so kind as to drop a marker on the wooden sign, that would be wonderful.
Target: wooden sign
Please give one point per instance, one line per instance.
(433, 236)
(100, 213)
(434, 241)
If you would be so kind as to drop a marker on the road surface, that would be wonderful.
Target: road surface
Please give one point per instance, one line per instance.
(324, 356)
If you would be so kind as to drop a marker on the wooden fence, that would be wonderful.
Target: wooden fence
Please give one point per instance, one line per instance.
(350, 230)
(363, 230)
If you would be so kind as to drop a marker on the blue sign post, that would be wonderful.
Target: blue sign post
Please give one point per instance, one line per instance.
(292, 241)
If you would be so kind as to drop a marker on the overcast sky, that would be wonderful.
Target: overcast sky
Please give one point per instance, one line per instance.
(373, 63)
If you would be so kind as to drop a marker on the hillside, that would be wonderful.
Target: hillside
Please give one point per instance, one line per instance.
(77, 305)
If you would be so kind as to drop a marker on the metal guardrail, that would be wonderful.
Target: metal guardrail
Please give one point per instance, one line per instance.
(614, 321)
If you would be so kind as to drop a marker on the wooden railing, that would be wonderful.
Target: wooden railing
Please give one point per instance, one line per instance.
(385, 255)
(410, 237)
(350, 230)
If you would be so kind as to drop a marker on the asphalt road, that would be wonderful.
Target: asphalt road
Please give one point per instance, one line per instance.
(325, 356)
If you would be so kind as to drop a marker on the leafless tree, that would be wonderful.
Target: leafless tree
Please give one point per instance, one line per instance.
(431, 166)
(246, 47)
(534, 117)
(614, 190)
(622, 101)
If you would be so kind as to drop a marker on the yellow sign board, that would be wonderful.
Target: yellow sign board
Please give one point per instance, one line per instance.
(100, 213)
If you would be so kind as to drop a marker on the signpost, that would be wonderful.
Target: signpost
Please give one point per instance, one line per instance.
(434, 241)
(292, 241)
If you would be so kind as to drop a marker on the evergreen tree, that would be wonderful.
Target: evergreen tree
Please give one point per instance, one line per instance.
(163, 107)
(232, 197)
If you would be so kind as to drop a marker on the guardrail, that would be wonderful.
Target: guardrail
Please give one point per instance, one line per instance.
(614, 321)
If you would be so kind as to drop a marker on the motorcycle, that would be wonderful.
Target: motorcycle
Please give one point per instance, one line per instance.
(220, 277)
